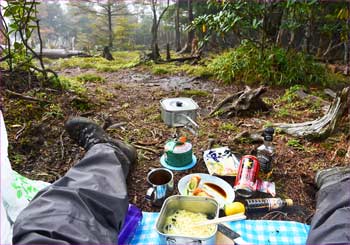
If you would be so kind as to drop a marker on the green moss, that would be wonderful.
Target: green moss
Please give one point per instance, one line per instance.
(160, 70)
(90, 77)
(71, 84)
(121, 60)
(194, 92)
(179, 69)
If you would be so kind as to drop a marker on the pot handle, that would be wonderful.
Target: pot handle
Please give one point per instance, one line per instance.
(192, 126)
(170, 240)
(150, 194)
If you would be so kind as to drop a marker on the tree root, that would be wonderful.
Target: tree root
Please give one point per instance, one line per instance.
(323, 127)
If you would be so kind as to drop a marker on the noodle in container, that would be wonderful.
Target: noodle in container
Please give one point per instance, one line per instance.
(178, 215)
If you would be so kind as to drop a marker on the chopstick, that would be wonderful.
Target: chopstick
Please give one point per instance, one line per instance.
(234, 217)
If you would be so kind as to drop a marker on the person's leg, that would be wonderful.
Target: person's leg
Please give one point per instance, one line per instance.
(86, 206)
(331, 222)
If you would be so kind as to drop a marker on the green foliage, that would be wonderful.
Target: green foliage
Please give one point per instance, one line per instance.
(82, 105)
(279, 67)
(283, 112)
(90, 77)
(21, 16)
(71, 84)
(290, 93)
(55, 111)
(295, 143)
(226, 126)
(17, 158)
(193, 92)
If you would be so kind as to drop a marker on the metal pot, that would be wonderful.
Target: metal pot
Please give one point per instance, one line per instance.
(179, 112)
(190, 203)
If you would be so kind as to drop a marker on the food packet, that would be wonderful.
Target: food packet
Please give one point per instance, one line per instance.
(221, 161)
(265, 186)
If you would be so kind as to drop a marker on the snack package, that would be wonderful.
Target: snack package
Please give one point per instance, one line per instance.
(221, 161)
(266, 187)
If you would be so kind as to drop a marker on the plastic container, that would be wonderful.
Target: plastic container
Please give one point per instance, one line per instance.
(132, 221)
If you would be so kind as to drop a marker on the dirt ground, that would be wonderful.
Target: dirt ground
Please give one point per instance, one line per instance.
(41, 149)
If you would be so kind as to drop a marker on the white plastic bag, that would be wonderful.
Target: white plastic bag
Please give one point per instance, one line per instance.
(16, 190)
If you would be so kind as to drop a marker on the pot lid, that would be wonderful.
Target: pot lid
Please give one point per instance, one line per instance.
(178, 104)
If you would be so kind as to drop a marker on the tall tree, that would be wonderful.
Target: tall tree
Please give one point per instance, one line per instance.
(104, 9)
(155, 26)
(177, 27)
(190, 33)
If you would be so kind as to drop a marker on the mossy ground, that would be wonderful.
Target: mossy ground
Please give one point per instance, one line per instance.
(42, 150)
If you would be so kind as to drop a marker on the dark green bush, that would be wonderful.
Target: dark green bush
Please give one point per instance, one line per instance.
(276, 66)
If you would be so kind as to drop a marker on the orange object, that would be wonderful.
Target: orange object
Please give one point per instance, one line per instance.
(183, 139)
(201, 193)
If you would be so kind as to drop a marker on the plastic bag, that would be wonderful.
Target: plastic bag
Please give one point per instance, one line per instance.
(16, 190)
(132, 221)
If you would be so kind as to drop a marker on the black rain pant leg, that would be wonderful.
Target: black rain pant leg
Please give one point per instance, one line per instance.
(331, 222)
(86, 206)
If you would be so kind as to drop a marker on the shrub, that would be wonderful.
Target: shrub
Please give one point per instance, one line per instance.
(277, 66)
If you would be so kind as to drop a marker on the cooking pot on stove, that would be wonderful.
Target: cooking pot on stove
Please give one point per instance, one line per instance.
(179, 112)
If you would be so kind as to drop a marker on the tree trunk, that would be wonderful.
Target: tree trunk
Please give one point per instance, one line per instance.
(168, 56)
(110, 28)
(347, 43)
(190, 34)
(155, 25)
(307, 35)
(280, 29)
(155, 49)
(177, 27)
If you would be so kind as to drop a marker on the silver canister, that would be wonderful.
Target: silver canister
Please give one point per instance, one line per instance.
(161, 181)
(192, 204)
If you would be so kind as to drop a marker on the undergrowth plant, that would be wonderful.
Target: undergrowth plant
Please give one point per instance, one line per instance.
(278, 67)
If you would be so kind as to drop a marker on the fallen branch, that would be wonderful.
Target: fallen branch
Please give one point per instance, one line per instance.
(19, 133)
(62, 145)
(249, 99)
(25, 97)
(183, 59)
(254, 137)
(322, 127)
(4, 58)
(145, 148)
(330, 93)
(117, 125)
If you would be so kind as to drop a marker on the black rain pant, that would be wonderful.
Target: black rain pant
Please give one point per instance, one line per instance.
(86, 206)
(331, 222)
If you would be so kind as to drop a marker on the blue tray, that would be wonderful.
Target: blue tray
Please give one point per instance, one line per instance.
(166, 165)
